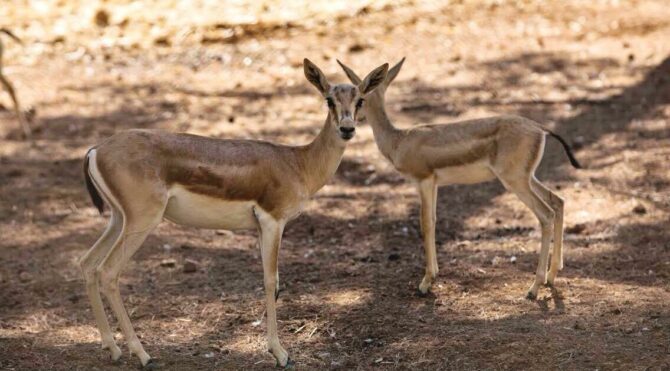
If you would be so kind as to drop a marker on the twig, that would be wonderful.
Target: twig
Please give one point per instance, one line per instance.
(312, 332)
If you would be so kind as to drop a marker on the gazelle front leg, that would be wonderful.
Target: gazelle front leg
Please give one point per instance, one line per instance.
(270, 239)
(428, 193)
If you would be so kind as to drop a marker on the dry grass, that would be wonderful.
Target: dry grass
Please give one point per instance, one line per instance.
(596, 72)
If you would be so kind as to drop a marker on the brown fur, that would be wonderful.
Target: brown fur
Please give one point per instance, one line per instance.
(507, 147)
(147, 175)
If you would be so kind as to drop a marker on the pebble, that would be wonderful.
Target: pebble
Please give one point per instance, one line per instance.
(24, 276)
(169, 263)
(190, 266)
(576, 229)
(496, 261)
(640, 210)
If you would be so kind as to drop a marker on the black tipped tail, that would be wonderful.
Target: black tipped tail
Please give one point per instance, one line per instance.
(92, 191)
(568, 150)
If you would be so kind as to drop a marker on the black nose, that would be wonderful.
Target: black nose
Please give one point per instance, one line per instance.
(346, 130)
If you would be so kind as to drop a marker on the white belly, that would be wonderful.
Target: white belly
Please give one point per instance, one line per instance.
(467, 174)
(196, 210)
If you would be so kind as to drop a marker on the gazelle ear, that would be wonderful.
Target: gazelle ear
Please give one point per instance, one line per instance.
(393, 72)
(373, 79)
(316, 77)
(353, 77)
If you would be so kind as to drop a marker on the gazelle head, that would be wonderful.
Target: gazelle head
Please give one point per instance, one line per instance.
(345, 100)
(376, 97)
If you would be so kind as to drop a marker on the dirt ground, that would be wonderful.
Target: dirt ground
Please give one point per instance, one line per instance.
(597, 72)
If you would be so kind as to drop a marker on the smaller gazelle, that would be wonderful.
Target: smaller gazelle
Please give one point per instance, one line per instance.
(10, 88)
(505, 147)
(147, 176)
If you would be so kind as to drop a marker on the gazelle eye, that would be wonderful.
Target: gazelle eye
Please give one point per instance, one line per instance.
(359, 104)
(331, 102)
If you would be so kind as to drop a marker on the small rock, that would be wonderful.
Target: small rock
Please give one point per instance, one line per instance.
(190, 266)
(576, 229)
(394, 256)
(323, 355)
(496, 261)
(512, 260)
(579, 326)
(162, 41)
(169, 263)
(167, 247)
(101, 18)
(357, 47)
(24, 277)
(640, 210)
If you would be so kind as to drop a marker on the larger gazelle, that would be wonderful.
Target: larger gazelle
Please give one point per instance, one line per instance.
(505, 147)
(147, 176)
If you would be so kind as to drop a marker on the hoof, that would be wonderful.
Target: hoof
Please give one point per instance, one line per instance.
(421, 294)
(290, 365)
(115, 352)
(151, 365)
(531, 296)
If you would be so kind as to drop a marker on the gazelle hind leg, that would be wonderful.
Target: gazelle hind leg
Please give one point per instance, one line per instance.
(17, 107)
(89, 263)
(556, 204)
(545, 215)
(109, 270)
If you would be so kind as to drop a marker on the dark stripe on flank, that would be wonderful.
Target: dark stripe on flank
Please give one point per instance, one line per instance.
(467, 156)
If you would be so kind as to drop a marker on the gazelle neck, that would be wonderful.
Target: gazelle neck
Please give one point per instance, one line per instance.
(383, 130)
(322, 156)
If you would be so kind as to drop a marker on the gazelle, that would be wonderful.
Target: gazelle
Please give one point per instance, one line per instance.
(10, 88)
(505, 147)
(145, 176)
